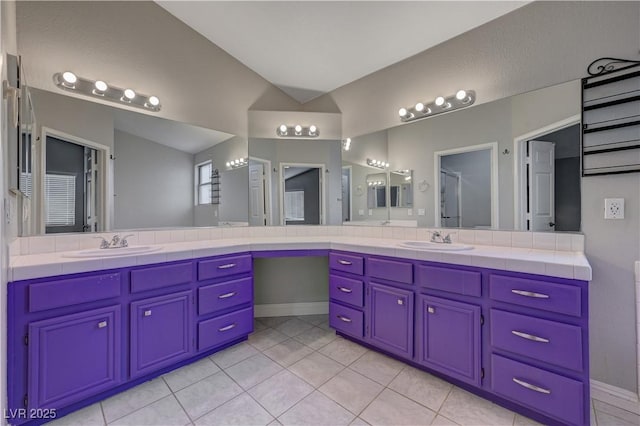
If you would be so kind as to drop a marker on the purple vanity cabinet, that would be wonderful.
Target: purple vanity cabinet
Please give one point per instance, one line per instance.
(391, 319)
(450, 337)
(160, 331)
(73, 356)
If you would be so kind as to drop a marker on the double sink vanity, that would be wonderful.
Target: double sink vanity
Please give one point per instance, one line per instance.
(505, 321)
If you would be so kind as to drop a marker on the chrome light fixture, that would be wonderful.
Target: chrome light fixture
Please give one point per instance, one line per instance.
(237, 163)
(100, 89)
(462, 99)
(377, 163)
(297, 131)
(346, 144)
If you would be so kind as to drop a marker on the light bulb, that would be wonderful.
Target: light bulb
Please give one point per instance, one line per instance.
(283, 129)
(439, 101)
(129, 94)
(419, 107)
(228, 164)
(402, 112)
(69, 77)
(312, 129)
(298, 128)
(154, 101)
(100, 86)
(461, 94)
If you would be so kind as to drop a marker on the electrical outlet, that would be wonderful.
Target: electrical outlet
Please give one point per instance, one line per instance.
(409, 212)
(614, 208)
(421, 212)
(360, 212)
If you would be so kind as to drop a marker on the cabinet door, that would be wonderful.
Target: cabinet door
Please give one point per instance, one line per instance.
(160, 332)
(73, 357)
(449, 340)
(391, 319)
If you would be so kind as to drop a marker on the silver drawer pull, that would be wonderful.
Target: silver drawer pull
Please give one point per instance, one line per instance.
(147, 313)
(102, 324)
(530, 336)
(530, 294)
(345, 262)
(344, 319)
(228, 327)
(227, 266)
(227, 295)
(345, 290)
(531, 387)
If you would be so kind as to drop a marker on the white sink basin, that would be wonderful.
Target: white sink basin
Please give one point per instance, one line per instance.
(113, 252)
(428, 245)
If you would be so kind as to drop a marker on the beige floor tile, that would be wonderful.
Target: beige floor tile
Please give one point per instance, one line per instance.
(316, 337)
(133, 399)
(288, 352)
(293, 327)
(166, 412)
(280, 392)
(391, 408)
(377, 367)
(316, 369)
(465, 409)
(343, 351)
(240, 411)
(443, 421)
(234, 354)
(266, 338)
(603, 407)
(207, 394)
(318, 410)
(422, 387)
(88, 416)
(252, 371)
(351, 390)
(189, 374)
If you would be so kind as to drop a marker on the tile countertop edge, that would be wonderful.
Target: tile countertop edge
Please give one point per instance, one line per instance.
(572, 265)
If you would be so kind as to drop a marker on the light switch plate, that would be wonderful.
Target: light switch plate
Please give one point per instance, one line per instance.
(421, 212)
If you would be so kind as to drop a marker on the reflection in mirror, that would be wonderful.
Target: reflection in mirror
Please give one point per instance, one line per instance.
(401, 188)
(467, 178)
(131, 170)
(294, 182)
(376, 190)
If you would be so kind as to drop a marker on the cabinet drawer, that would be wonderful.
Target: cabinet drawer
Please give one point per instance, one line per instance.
(393, 270)
(225, 328)
(346, 320)
(160, 276)
(346, 290)
(543, 391)
(73, 291)
(450, 280)
(544, 340)
(346, 263)
(217, 297)
(216, 268)
(561, 298)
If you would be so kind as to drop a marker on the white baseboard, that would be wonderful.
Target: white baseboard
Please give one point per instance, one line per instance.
(615, 396)
(285, 309)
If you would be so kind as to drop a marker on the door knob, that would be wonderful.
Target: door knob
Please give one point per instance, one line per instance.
(552, 224)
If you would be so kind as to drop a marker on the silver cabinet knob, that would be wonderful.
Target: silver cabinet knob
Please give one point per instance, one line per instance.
(400, 302)
(147, 313)
(431, 310)
(102, 324)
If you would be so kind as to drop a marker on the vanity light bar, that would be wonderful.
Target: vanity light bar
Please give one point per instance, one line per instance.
(237, 163)
(99, 89)
(377, 163)
(297, 131)
(376, 183)
(462, 99)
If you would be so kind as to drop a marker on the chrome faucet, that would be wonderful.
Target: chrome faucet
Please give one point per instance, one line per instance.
(439, 237)
(116, 242)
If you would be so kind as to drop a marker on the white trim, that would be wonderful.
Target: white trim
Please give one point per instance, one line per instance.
(518, 159)
(615, 396)
(286, 309)
(350, 169)
(267, 168)
(197, 184)
(323, 200)
(106, 175)
(495, 204)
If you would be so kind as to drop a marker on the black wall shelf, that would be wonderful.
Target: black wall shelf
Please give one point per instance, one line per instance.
(611, 118)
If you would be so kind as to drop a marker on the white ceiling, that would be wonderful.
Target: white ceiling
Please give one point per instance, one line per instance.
(181, 136)
(308, 48)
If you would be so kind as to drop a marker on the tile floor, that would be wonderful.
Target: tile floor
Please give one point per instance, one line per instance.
(296, 371)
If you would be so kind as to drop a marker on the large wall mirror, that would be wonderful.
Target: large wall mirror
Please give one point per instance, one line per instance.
(98, 168)
(509, 164)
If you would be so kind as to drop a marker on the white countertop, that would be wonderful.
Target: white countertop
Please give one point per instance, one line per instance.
(562, 264)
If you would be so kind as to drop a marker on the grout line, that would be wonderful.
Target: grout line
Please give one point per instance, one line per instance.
(104, 418)
(181, 406)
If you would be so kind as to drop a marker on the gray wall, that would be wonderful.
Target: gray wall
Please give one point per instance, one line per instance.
(153, 184)
(235, 194)
(140, 45)
(475, 185)
(567, 194)
(291, 280)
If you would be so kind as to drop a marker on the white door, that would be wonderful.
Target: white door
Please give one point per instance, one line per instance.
(450, 200)
(91, 188)
(540, 174)
(257, 205)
